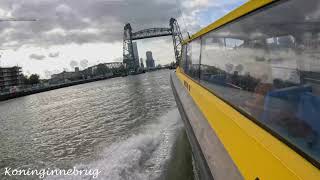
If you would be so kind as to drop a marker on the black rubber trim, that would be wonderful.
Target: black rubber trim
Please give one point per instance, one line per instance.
(263, 126)
(192, 138)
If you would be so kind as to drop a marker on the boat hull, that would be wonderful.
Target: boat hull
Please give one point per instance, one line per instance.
(211, 158)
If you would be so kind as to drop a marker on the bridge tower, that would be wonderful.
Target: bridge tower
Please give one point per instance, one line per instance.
(176, 38)
(129, 36)
(128, 55)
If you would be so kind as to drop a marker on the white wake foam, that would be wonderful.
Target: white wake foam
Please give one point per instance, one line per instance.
(140, 157)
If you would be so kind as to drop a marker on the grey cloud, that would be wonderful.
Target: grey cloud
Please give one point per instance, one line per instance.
(48, 73)
(91, 21)
(37, 56)
(81, 21)
(54, 55)
(73, 64)
(118, 59)
(84, 63)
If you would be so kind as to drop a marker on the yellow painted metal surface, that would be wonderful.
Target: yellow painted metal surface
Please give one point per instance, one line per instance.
(255, 152)
(240, 11)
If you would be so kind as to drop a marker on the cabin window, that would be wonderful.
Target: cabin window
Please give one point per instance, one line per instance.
(193, 59)
(267, 64)
(184, 58)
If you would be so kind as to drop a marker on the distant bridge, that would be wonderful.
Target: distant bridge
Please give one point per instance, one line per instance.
(113, 65)
(129, 36)
(110, 65)
(150, 33)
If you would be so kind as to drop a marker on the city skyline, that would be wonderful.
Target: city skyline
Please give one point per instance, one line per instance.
(69, 67)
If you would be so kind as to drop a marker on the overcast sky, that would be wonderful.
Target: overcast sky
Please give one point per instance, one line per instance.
(72, 33)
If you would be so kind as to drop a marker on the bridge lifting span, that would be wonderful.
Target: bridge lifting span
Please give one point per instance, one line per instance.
(129, 36)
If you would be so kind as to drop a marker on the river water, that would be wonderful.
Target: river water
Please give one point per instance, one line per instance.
(126, 127)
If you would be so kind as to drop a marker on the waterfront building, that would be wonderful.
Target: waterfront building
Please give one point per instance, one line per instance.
(99, 70)
(10, 78)
(150, 60)
(65, 76)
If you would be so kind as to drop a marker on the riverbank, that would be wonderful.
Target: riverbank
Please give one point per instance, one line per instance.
(5, 97)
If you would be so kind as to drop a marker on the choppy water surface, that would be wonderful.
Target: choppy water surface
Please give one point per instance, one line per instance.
(129, 128)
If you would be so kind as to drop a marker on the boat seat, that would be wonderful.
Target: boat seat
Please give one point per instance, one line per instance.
(218, 79)
(282, 103)
(309, 110)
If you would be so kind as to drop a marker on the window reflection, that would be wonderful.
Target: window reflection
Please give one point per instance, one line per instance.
(268, 64)
(184, 64)
(193, 59)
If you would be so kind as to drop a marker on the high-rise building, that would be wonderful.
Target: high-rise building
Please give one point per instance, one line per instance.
(10, 77)
(136, 54)
(150, 60)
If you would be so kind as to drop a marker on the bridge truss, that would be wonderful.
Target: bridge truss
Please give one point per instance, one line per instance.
(129, 36)
(113, 65)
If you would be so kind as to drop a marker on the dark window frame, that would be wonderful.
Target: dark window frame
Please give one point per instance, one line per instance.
(200, 50)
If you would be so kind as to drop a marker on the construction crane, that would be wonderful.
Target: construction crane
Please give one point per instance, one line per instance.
(16, 19)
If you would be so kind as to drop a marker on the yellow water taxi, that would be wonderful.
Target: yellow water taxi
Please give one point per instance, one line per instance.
(248, 90)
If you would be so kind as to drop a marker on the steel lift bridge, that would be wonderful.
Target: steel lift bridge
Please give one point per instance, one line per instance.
(129, 36)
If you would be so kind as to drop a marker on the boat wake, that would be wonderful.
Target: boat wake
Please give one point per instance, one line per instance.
(142, 156)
